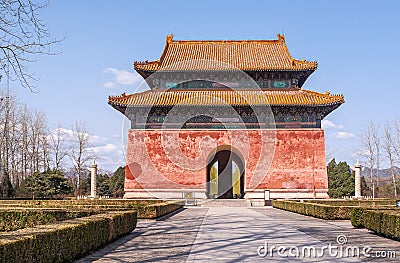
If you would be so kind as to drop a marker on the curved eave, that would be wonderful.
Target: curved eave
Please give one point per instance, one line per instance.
(149, 71)
(218, 98)
(119, 107)
(122, 106)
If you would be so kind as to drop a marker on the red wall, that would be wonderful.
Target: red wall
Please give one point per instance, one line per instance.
(274, 159)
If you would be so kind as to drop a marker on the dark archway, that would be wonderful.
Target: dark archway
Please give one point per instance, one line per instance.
(225, 176)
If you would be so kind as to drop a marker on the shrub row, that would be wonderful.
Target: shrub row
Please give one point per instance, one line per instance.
(357, 217)
(385, 222)
(13, 219)
(369, 203)
(66, 241)
(357, 214)
(74, 207)
(65, 203)
(328, 212)
(157, 210)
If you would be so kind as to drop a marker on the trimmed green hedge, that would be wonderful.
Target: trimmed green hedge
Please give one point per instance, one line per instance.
(13, 219)
(75, 203)
(80, 201)
(383, 221)
(323, 211)
(357, 217)
(66, 241)
(15, 216)
(333, 209)
(103, 205)
(369, 203)
(157, 210)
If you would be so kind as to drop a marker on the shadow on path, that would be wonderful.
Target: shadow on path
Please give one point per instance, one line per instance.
(233, 234)
(167, 240)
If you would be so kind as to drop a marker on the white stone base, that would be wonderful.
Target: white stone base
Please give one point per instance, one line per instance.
(258, 194)
(165, 194)
(288, 194)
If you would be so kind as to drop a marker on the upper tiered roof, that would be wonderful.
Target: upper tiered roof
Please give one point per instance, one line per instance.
(246, 55)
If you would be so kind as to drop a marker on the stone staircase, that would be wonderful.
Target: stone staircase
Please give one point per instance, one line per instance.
(228, 203)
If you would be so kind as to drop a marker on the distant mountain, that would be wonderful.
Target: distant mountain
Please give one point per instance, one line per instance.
(382, 172)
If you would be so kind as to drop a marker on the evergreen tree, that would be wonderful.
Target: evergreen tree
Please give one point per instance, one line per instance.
(365, 190)
(103, 185)
(84, 185)
(117, 182)
(48, 184)
(340, 179)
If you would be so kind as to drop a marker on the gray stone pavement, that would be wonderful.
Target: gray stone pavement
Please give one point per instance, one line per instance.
(167, 240)
(240, 234)
(327, 231)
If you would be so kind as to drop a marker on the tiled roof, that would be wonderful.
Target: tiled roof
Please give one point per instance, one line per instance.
(268, 55)
(223, 97)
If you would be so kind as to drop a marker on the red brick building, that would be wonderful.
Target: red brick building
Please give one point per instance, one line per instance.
(226, 119)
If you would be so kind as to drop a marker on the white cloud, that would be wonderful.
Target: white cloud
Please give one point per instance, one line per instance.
(65, 135)
(63, 131)
(116, 135)
(327, 124)
(109, 151)
(104, 149)
(343, 135)
(360, 153)
(110, 85)
(110, 156)
(96, 140)
(122, 77)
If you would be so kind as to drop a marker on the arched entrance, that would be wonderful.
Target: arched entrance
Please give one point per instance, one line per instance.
(225, 176)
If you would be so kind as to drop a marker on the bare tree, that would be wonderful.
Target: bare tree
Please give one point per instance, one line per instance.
(23, 35)
(329, 152)
(58, 149)
(397, 140)
(7, 107)
(80, 152)
(377, 143)
(389, 150)
(25, 117)
(38, 143)
(24, 144)
(369, 151)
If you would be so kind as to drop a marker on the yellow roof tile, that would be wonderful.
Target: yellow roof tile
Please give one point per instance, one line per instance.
(226, 55)
(224, 97)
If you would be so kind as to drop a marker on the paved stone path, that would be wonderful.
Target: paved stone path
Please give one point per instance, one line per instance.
(168, 240)
(328, 230)
(240, 234)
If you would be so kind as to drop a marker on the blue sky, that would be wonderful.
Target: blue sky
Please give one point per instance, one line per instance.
(356, 44)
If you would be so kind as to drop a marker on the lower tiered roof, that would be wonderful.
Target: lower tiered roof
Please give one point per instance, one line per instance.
(225, 97)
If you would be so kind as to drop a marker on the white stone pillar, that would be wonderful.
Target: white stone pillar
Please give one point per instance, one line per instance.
(357, 183)
(93, 174)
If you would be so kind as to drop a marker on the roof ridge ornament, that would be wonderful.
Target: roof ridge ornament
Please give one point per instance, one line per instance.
(169, 38)
(281, 37)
